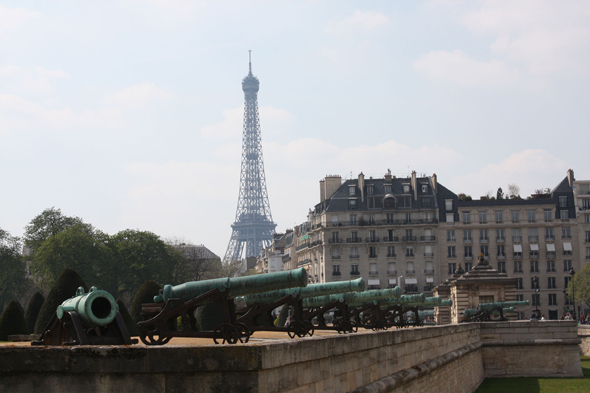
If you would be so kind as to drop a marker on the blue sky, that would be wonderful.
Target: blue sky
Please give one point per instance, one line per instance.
(129, 113)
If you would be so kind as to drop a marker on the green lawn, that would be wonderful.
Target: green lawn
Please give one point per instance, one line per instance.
(539, 385)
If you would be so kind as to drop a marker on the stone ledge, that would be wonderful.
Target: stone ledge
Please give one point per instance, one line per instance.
(402, 377)
(540, 341)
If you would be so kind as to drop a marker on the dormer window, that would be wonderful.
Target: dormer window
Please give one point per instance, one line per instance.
(370, 190)
(351, 190)
(387, 189)
(424, 188)
(406, 188)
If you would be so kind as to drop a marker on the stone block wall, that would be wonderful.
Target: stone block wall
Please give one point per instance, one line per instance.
(584, 335)
(531, 349)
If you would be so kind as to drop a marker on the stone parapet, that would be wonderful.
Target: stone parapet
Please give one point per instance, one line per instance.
(584, 335)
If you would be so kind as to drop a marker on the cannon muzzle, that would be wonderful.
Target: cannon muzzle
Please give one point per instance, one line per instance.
(312, 290)
(95, 308)
(238, 286)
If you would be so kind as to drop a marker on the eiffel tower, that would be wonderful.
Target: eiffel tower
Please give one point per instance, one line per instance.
(253, 228)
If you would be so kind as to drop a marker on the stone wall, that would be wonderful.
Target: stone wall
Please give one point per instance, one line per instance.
(451, 358)
(531, 349)
(584, 335)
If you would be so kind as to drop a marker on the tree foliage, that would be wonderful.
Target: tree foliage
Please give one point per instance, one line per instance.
(64, 288)
(463, 197)
(514, 191)
(13, 279)
(32, 311)
(12, 321)
(50, 222)
(145, 294)
(580, 286)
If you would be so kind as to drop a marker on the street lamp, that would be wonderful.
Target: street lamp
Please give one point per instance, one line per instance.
(572, 272)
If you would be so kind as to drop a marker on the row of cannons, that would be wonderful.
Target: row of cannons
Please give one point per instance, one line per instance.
(230, 310)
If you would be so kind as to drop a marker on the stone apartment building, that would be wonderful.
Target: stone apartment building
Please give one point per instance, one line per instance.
(414, 232)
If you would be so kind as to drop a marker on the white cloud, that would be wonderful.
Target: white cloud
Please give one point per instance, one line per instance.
(167, 13)
(273, 120)
(18, 114)
(38, 79)
(359, 21)
(529, 169)
(136, 96)
(11, 18)
(457, 67)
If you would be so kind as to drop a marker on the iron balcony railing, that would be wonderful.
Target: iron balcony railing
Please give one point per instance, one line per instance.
(427, 238)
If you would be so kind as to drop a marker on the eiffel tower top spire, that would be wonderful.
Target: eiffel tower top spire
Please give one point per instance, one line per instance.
(253, 228)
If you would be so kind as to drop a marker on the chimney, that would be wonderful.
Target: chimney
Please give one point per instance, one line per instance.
(331, 184)
(414, 185)
(434, 183)
(388, 175)
(570, 177)
(361, 185)
(322, 190)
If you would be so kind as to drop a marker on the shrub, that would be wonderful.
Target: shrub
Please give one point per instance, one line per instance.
(131, 327)
(32, 311)
(145, 294)
(12, 321)
(63, 289)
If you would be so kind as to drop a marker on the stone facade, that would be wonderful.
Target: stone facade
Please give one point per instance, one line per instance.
(584, 335)
(410, 360)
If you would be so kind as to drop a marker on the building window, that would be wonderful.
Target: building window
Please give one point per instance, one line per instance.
(451, 235)
(372, 252)
(354, 269)
(499, 216)
(351, 190)
(354, 236)
(517, 266)
(352, 203)
(547, 214)
(391, 251)
(566, 281)
(335, 237)
(552, 299)
(409, 251)
(387, 189)
(533, 235)
(519, 298)
(502, 267)
(519, 284)
(370, 190)
(468, 266)
(501, 250)
(450, 217)
(587, 239)
(406, 188)
(468, 252)
(336, 270)
(391, 268)
(353, 219)
(448, 204)
(483, 217)
(536, 300)
(372, 219)
(389, 217)
(550, 266)
(531, 215)
(587, 252)
(451, 252)
(515, 215)
(587, 219)
(551, 283)
(534, 266)
(409, 236)
(391, 235)
(452, 268)
(354, 252)
(424, 188)
(500, 235)
(374, 203)
(373, 269)
(549, 234)
(563, 201)
(485, 250)
(564, 214)
(467, 236)
(567, 265)
(426, 202)
(466, 217)
(410, 268)
(483, 235)
(516, 235)
(372, 236)
(335, 253)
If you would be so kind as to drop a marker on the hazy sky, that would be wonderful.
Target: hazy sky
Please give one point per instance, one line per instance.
(129, 113)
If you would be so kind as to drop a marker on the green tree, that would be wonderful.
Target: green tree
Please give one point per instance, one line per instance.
(75, 247)
(13, 279)
(50, 222)
(145, 294)
(463, 197)
(581, 283)
(194, 263)
(32, 311)
(64, 288)
(12, 321)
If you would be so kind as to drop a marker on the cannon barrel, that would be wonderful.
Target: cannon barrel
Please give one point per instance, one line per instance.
(469, 312)
(446, 303)
(95, 308)
(238, 286)
(427, 302)
(426, 313)
(508, 310)
(353, 297)
(312, 290)
(489, 306)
